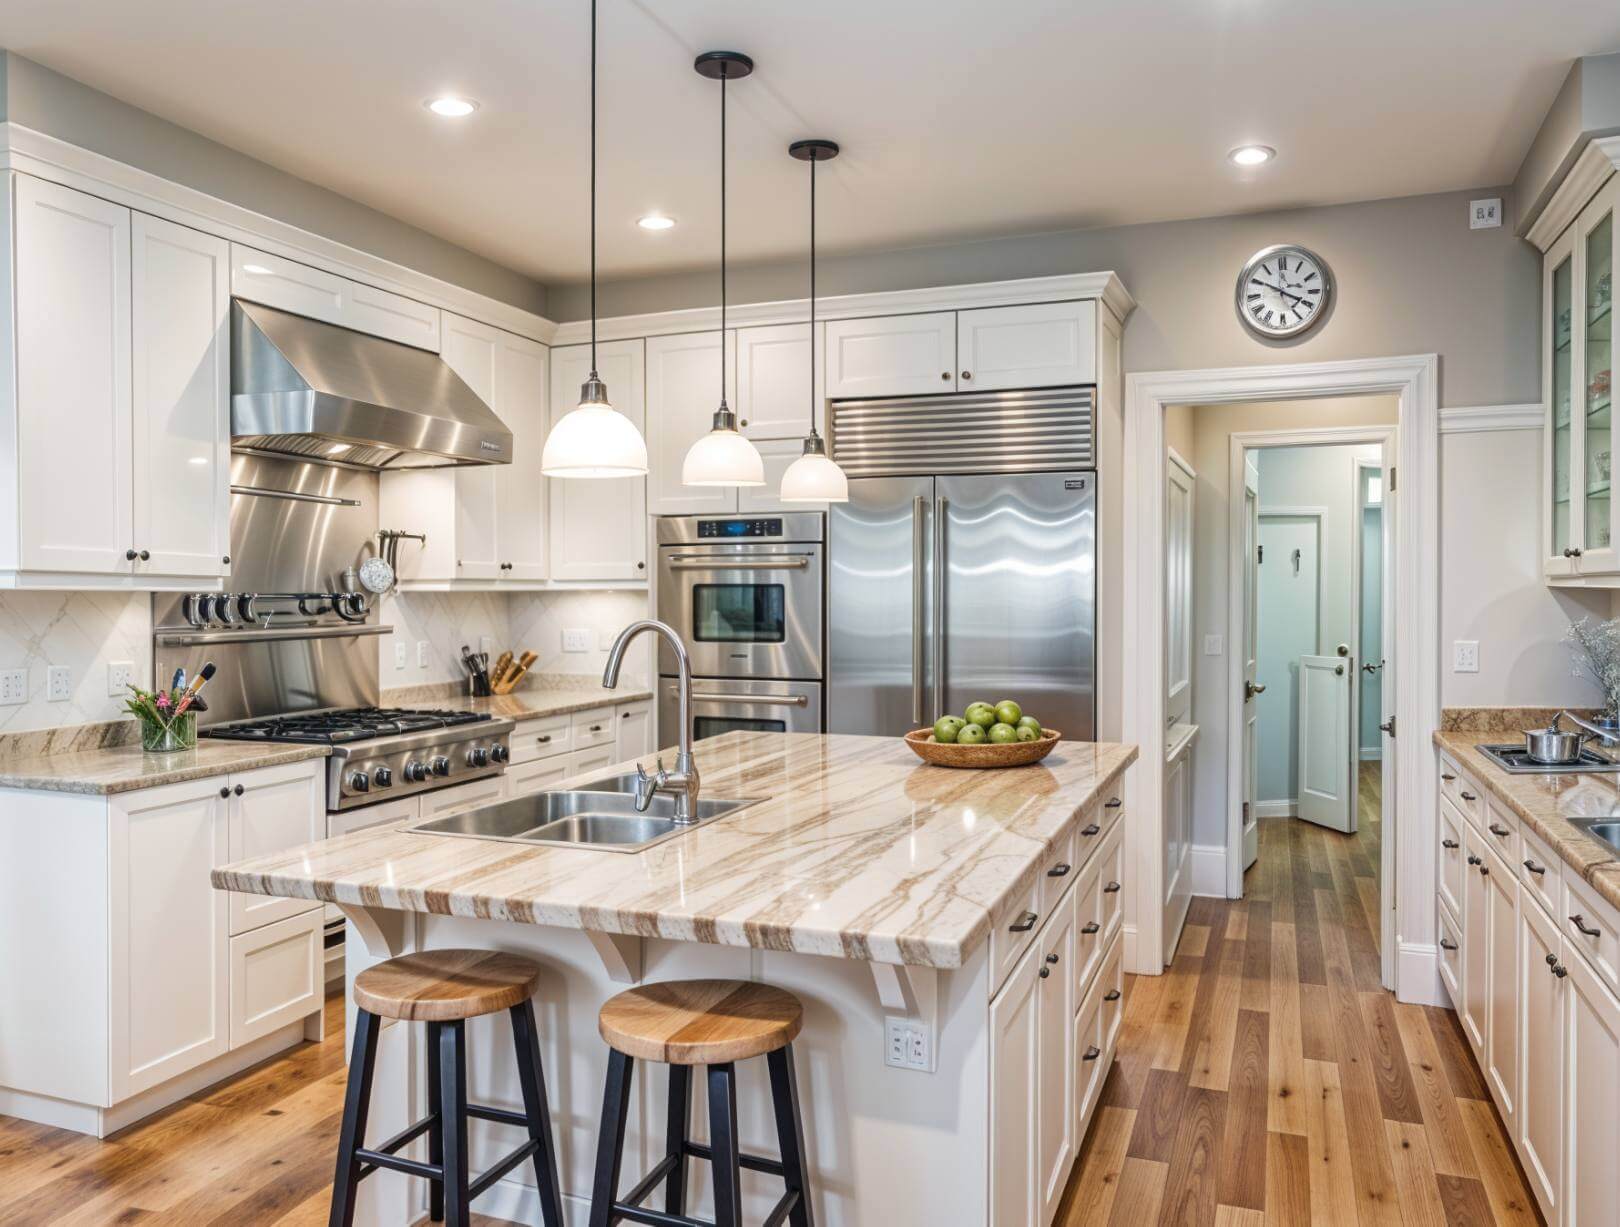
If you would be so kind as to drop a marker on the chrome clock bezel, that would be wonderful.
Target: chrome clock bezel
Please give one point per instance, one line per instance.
(1293, 330)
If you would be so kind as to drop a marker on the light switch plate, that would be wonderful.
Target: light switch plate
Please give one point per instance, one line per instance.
(120, 673)
(577, 639)
(421, 653)
(1213, 645)
(402, 652)
(1465, 656)
(58, 683)
(1485, 214)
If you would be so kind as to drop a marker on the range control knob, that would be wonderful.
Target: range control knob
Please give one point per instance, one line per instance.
(416, 772)
(440, 765)
(498, 754)
(360, 781)
(382, 777)
(478, 756)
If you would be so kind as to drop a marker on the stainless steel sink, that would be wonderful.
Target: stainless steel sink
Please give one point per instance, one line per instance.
(1606, 830)
(590, 817)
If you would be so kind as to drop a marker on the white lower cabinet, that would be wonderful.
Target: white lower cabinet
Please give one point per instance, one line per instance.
(1015, 1074)
(536, 776)
(1474, 1007)
(635, 731)
(1055, 1037)
(272, 809)
(1502, 1014)
(1591, 1095)
(1540, 992)
(486, 791)
(597, 758)
(277, 976)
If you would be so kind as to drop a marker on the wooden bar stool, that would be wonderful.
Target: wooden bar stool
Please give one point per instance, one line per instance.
(444, 988)
(683, 1023)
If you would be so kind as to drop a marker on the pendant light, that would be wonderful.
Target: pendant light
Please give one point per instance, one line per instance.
(594, 440)
(723, 457)
(813, 477)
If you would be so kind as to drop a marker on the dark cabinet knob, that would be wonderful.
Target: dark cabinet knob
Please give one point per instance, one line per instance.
(641, 566)
(145, 555)
(1024, 923)
(1560, 970)
(1580, 927)
(1091, 1053)
(226, 791)
(1045, 971)
(1090, 927)
(1111, 888)
(129, 555)
(239, 790)
(1060, 870)
(1111, 995)
(967, 374)
(1052, 959)
(1472, 859)
(1552, 960)
(1484, 870)
(1451, 844)
(226, 560)
(945, 375)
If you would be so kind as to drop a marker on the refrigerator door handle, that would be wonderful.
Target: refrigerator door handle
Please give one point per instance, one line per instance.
(919, 507)
(941, 509)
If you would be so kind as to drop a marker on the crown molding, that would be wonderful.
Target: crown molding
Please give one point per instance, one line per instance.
(1491, 417)
(1599, 160)
(48, 157)
(1106, 287)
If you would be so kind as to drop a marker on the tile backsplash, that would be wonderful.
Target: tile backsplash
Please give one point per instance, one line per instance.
(85, 632)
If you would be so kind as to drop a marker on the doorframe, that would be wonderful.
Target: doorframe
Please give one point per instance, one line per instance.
(1414, 381)
(1358, 466)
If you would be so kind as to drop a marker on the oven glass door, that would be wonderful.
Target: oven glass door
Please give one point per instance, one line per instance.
(744, 611)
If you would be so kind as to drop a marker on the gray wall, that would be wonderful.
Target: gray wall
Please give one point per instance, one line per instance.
(1587, 105)
(1412, 278)
(46, 101)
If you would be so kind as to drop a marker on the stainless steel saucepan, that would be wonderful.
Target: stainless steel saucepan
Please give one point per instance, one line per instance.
(1552, 746)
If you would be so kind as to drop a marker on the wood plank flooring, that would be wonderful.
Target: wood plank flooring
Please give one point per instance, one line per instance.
(1267, 1078)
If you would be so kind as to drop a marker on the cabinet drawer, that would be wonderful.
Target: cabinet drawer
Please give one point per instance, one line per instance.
(1501, 830)
(1089, 941)
(1095, 823)
(1091, 1054)
(1453, 860)
(1461, 792)
(1541, 870)
(591, 760)
(532, 739)
(1111, 883)
(1012, 929)
(1592, 927)
(1058, 875)
(593, 728)
(541, 774)
(487, 791)
(276, 976)
(1112, 984)
(1450, 954)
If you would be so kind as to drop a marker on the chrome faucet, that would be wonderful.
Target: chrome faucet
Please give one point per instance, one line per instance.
(683, 781)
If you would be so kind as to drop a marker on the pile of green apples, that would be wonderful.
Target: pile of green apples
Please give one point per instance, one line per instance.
(996, 723)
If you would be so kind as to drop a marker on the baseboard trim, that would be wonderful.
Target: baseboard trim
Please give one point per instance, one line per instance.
(1417, 975)
(1286, 808)
(1206, 863)
(1371, 754)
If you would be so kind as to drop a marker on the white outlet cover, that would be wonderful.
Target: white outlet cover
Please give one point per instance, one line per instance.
(120, 673)
(576, 639)
(1465, 656)
(1485, 214)
(58, 683)
(401, 654)
(13, 686)
(421, 653)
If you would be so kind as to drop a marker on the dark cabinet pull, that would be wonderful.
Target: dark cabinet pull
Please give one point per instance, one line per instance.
(1447, 945)
(1552, 960)
(1468, 796)
(1092, 1053)
(145, 555)
(1060, 870)
(239, 790)
(1091, 828)
(1484, 870)
(1535, 868)
(1052, 959)
(597, 728)
(129, 555)
(1111, 995)
(1025, 923)
(1579, 922)
(1498, 830)
(1560, 970)
(1091, 926)
(1113, 803)
(1447, 776)
(1472, 859)
(225, 791)
(1450, 843)
(543, 738)
(1045, 971)
(1111, 888)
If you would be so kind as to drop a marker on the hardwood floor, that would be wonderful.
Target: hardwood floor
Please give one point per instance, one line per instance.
(1267, 1078)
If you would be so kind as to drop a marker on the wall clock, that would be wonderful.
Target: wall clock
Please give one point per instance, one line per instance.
(1283, 291)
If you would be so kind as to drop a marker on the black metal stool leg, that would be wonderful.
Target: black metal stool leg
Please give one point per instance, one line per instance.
(790, 1133)
(436, 1129)
(532, 1080)
(453, 1102)
(356, 1104)
(675, 1136)
(610, 1146)
(724, 1146)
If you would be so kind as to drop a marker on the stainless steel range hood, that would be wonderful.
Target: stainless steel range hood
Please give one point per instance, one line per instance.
(303, 388)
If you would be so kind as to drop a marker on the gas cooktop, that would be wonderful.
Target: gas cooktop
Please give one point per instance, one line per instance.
(338, 727)
(1516, 761)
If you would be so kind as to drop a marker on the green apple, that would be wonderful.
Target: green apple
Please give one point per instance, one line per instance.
(1025, 733)
(947, 727)
(1002, 733)
(971, 734)
(1009, 712)
(981, 714)
(1029, 722)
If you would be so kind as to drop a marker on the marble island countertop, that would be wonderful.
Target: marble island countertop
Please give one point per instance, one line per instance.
(856, 849)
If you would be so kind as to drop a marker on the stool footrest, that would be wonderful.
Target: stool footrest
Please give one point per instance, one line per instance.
(501, 1116)
(500, 1169)
(370, 1159)
(755, 1163)
(658, 1218)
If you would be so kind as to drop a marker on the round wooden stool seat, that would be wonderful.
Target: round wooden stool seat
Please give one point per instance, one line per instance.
(700, 1022)
(446, 985)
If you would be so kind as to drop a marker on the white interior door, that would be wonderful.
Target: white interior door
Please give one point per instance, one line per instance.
(1324, 742)
(1288, 620)
(1389, 765)
(1251, 657)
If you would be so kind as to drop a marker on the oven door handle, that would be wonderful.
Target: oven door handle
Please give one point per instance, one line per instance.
(780, 562)
(755, 700)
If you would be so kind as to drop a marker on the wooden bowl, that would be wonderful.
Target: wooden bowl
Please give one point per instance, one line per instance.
(985, 754)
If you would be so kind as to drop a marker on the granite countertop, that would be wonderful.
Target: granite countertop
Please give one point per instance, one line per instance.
(857, 850)
(1545, 803)
(531, 702)
(127, 768)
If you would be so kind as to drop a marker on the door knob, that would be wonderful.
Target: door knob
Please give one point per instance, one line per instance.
(1250, 690)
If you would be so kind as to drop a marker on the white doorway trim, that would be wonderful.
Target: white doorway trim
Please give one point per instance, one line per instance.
(1414, 381)
(1359, 465)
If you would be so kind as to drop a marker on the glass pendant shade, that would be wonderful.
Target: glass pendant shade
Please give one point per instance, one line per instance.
(813, 478)
(723, 457)
(594, 440)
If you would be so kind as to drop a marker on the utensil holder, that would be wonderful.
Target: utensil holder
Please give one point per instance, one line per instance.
(166, 737)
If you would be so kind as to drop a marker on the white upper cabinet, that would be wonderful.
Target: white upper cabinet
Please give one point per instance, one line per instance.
(599, 525)
(521, 378)
(774, 397)
(777, 455)
(1040, 346)
(181, 399)
(470, 351)
(683, 391)
(892, 355)
(290, 286)
(73, 430)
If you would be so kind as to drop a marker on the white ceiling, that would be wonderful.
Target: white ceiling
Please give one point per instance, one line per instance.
(959, 118)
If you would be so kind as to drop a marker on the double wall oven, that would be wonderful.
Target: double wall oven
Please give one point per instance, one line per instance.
(748, 596)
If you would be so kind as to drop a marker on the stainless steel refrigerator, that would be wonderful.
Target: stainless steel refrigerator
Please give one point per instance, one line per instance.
(949, 587)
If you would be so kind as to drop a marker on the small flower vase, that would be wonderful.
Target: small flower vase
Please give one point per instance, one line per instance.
(165, 737)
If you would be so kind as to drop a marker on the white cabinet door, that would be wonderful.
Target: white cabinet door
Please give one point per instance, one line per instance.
(277, 976)
(599, 526)
(892, 355)
(584, 762)
(471, 349)
(1502, 1023)
(1541, 993)
(1476, 947)
(777, 455)
(272, 810)
(635, 736)
(180, 283)
(1591, 1096)
(536, 776)
(73, 380)
(1015, 1199)
(168, 925)
(289, 286)
(1453, 868)
(1038, 346)
(1055, 1082)
(774, 395)
(520, 488)
(683, 392)
(487, 791)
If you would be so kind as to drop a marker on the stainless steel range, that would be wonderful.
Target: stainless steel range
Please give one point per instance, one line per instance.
(1515, 760)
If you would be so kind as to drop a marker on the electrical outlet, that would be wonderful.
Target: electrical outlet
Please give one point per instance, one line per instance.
(58, 683)
(907, 1044)
(120, 673)
(1214, 645)
(421, 653)
(1465, 656)
(1485, 214)
(577, 639)
(13, 686)
(486, 643)
(401, 653)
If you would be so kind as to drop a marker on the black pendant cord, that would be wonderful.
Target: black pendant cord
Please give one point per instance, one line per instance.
(593, 189)
(812, 296)
(722, 242)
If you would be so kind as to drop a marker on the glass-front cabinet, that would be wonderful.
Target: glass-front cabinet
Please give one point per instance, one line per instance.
(1583, 517)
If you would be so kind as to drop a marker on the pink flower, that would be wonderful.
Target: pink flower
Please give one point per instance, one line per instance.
(163, 701)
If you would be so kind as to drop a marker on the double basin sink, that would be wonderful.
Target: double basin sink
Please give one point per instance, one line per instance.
(600, 815)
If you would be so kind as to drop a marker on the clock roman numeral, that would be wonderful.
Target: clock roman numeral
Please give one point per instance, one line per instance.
(1310, 277)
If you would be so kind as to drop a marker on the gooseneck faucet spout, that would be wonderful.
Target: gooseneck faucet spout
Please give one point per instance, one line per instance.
(683, 781)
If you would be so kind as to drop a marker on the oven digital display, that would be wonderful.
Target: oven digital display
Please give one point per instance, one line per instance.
(739, 528)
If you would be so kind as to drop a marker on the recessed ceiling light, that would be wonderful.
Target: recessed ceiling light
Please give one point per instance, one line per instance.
(654, 221)
(1252, 155)
(451, 107)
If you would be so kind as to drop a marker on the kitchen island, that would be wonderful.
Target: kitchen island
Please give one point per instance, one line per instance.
(954, 937)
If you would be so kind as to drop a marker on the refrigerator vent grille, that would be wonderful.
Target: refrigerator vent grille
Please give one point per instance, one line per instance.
(994, 432)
